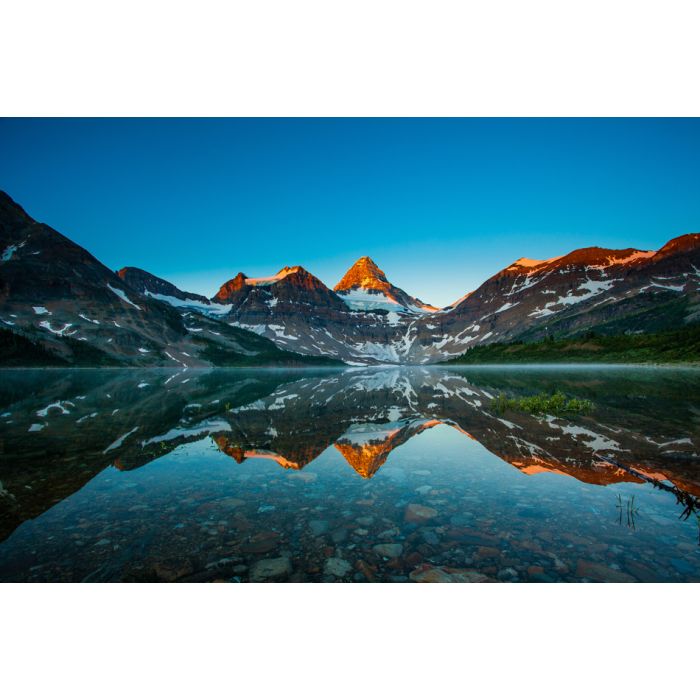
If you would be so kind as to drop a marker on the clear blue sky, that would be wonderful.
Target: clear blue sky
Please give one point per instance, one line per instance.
(440, 204)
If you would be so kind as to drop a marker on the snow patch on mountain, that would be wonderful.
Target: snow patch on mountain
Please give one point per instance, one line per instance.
(635, 257)
(594, 440)
(8, 252)
(670, 287)
(505, 307)
(202, 429)
(122, 295)
(368, 300)
(120, 441)
(58, 331)
(212, 308)
(367, 433)
(259, 328)
(279, 331)
(590, 288)
(266, 281)
(377, 351)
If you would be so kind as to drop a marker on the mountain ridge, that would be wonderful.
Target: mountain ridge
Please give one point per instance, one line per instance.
(59, 301)
(52, 289)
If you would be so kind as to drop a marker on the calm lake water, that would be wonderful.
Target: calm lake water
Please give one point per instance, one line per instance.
(359, 475)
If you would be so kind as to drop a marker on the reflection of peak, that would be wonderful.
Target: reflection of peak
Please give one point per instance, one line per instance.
(536, 467)
(601, 475)
(223, 442)
(268, 454)
(294, 459)
(367, 447)
(288, 419)
(365, 459)
(459, 429)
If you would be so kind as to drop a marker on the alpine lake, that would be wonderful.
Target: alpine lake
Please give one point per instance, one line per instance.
(411, 474)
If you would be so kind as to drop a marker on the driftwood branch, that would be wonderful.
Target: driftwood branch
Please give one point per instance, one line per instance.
(690, 503)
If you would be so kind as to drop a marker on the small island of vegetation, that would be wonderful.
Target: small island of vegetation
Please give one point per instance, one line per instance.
(556, 404)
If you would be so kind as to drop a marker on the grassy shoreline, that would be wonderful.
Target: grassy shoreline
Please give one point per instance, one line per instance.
(669, 348)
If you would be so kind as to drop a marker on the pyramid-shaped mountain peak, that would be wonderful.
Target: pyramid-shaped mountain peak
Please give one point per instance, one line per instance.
(364, 273)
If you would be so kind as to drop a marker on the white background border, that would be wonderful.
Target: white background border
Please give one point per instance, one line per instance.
(349, 58)
(313, 58)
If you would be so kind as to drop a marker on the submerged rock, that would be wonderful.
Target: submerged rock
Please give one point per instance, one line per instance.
(337, 567)
(596, 571)
(318, 527)
(340, 535)
(507, 574)
(306, 477)
(429, 537)
(439, 574)
(173, 569)
(388, 550)
(267, 569)
(416, 513)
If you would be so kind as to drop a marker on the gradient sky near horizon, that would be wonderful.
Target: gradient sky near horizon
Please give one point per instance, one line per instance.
(439, 204)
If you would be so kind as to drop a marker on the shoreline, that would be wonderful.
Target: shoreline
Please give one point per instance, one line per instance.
(439, 365)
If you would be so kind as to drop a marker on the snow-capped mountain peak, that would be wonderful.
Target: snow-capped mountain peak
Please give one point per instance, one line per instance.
(365, 287)
(55, 294)
(365, 274)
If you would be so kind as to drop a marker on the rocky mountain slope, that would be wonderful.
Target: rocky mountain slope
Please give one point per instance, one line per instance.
(298, 311)
(591, 289)
(608, 291)
(158, 288)
(60, 305)
(54, 292)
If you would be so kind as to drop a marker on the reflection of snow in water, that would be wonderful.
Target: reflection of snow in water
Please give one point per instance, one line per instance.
(493, 482)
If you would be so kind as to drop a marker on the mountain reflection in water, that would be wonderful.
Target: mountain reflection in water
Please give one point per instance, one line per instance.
(357, 475)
